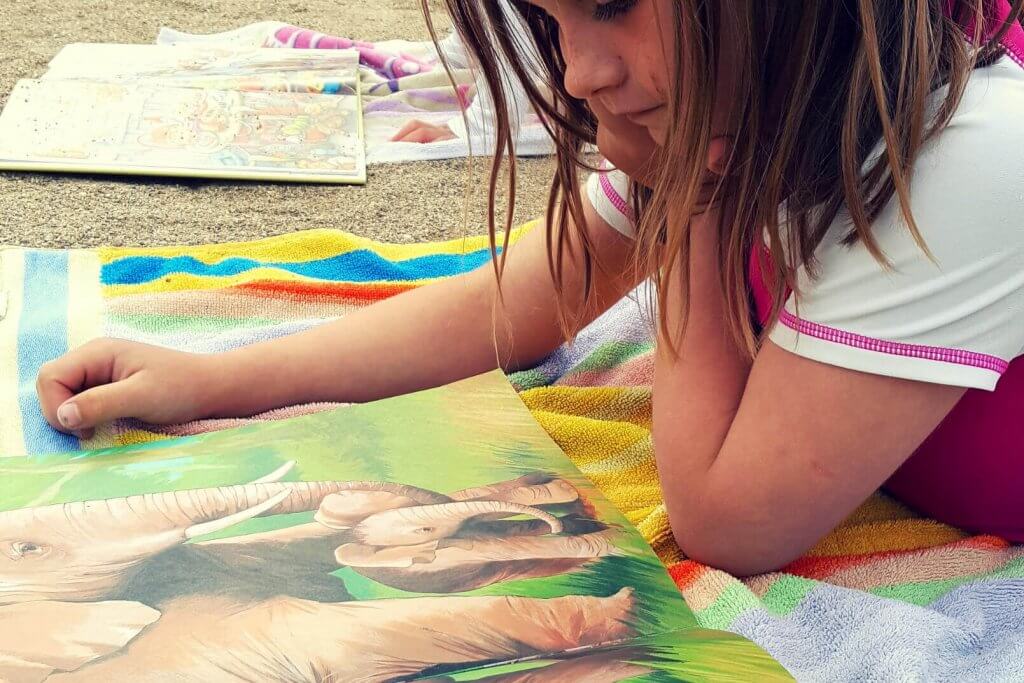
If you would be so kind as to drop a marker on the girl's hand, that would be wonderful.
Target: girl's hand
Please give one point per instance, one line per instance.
(423, 132)
(108, 379)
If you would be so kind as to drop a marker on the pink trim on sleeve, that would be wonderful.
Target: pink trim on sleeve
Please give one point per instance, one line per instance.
(936, 353)
(613, 196)
(1014, 44)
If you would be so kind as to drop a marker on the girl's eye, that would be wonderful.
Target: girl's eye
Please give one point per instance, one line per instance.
(613, 9)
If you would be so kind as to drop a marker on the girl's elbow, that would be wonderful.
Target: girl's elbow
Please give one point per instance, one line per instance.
(738, 549)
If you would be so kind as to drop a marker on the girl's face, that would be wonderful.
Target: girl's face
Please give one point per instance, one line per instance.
(618, 55)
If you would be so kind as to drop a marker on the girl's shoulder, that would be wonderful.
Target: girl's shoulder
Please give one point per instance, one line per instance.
(989, 116)
(950, 310)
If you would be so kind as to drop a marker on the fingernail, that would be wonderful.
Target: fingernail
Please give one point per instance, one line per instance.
(69, 416)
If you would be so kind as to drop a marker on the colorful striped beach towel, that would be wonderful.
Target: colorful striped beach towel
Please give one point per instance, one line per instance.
(888, 596)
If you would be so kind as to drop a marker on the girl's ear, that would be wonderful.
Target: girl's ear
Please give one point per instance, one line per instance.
(718, 154)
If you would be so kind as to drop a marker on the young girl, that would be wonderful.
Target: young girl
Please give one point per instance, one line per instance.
(828, 198)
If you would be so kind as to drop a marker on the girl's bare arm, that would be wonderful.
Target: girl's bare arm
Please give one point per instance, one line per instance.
(427, 337)
(423, 338)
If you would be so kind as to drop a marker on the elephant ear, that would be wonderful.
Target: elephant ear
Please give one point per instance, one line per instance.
(44, 637)
(379, 557)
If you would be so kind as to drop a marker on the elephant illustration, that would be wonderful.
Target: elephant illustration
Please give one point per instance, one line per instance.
(459, 542)
(125, 589)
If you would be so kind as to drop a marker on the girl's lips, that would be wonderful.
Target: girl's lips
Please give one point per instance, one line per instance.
(639, 116)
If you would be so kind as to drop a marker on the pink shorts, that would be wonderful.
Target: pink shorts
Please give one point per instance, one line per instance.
(969, 472)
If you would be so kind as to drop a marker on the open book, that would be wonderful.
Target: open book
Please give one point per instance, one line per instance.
(288, 115)
(437, 536)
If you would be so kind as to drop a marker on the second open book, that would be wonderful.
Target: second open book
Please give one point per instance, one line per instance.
(196, 111)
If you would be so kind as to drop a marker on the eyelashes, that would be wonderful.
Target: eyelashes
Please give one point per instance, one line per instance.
(613, 9)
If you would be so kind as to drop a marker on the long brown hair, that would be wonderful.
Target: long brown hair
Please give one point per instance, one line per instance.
(820, 85)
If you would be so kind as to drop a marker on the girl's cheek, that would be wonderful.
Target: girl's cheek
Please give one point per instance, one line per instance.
(653, 72)
(659, 48)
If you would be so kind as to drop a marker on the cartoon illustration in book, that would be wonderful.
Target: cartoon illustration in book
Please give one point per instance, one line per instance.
(84, 126)
(239, 131)
(309, 71)
(205, 121)
(120, 588)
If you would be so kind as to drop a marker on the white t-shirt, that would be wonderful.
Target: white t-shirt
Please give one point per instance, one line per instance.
(958, 320)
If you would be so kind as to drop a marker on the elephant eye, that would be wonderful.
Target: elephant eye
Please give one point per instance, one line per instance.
(425, 530)
(23, 548)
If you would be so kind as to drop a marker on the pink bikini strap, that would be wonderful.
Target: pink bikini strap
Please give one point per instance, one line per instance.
(1014, 39)
(997, 12)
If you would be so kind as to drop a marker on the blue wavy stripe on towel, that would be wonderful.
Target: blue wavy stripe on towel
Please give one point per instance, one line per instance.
(42, 336)
(354, 266)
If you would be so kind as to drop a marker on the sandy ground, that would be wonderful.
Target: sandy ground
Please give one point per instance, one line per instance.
(77, 211)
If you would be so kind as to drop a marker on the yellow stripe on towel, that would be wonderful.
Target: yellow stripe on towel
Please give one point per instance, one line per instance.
(311, 245)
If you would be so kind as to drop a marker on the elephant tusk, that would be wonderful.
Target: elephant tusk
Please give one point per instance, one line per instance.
(276, 475)
(216, 525)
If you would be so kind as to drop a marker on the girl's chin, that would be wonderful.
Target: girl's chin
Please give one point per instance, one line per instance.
(658, 134)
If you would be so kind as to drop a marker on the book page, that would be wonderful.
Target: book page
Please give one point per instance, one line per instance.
(420, 536)
(108, 127)
(327, 72)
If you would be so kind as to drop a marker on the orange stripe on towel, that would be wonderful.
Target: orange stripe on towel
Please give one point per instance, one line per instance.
(685, 573)
(343, 291)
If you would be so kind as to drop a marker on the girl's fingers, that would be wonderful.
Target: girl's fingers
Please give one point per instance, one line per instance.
(52, 394)
(420, 136)
(105, 403)
(431, 134)
(422, 132)
(405, 130)
(64, 377)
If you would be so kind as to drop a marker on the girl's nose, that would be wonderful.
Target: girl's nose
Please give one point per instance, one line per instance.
(591, 66)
